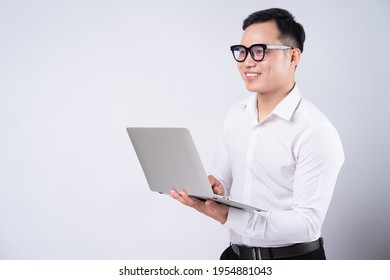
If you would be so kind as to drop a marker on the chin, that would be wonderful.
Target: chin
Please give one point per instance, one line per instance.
(251, 88)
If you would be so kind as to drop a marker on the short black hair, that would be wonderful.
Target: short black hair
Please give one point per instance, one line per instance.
(290, 30)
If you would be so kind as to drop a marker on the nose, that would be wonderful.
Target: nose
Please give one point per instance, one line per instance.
(249, 62)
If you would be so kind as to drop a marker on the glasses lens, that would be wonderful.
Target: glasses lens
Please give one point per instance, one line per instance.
(239, 53)
(257, 52)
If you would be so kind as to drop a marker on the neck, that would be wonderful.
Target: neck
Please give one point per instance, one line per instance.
(266, 102)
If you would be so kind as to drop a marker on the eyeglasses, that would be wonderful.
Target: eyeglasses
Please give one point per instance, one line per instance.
(257, 51)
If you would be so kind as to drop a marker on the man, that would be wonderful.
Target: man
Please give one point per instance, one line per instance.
(277, 152)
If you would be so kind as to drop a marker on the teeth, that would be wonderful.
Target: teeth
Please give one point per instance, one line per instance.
(252, 74)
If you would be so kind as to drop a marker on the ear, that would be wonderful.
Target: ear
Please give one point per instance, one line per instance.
(295, 57)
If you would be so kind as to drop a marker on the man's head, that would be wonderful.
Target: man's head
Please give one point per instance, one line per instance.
(291, 32)
(270, 50)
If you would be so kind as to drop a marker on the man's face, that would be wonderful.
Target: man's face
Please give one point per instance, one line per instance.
(275, 72)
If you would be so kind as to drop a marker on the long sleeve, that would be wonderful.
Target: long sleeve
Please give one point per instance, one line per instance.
(319, 159)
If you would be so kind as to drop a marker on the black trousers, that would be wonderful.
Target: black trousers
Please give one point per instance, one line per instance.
(319, 254)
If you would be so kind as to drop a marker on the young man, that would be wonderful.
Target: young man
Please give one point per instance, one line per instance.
(277, 151)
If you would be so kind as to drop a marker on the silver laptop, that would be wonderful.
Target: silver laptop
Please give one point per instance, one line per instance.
(169, 159)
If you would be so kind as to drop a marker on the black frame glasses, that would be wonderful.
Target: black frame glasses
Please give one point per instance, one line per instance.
(257, 51)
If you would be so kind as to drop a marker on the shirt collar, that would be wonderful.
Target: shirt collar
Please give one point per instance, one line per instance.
(285, 109)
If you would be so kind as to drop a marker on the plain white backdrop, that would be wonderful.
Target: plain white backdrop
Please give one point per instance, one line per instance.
(75, 74)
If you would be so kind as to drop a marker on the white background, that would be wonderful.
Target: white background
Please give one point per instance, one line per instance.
(75, 74)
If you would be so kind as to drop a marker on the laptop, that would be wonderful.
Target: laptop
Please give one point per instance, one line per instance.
(169, 160)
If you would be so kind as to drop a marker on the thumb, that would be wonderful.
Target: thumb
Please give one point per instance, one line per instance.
(218, 189)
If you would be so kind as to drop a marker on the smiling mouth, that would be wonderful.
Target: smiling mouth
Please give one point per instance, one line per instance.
(252, 74)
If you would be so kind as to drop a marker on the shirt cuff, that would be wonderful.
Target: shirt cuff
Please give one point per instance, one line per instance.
(237, 220)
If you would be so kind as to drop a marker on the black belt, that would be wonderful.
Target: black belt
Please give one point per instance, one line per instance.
(259, 253)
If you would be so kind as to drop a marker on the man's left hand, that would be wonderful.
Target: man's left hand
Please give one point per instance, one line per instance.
(210, 208)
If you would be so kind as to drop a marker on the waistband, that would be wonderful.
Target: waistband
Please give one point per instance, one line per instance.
(260, 253)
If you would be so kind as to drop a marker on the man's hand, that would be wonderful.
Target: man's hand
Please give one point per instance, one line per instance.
(210, 208)
(216, 185)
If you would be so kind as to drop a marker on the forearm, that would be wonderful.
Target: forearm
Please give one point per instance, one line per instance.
(291, 226)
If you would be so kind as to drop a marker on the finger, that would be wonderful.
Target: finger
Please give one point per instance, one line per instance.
(211, 178)
(176, 196)
(188, 200)
(217, 189)
(183, 198)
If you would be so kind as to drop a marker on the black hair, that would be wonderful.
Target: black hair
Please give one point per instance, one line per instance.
(290, 30)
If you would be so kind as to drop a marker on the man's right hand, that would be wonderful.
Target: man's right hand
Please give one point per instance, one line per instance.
(216, 185)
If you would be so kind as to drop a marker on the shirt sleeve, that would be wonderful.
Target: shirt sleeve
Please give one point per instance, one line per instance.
(320, 158)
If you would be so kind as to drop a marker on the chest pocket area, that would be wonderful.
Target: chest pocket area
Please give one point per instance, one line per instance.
(273, 158)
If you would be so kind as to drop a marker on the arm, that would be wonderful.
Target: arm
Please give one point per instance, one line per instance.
(319, 160)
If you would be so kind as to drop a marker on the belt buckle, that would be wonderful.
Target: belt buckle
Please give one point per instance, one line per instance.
(256, 253)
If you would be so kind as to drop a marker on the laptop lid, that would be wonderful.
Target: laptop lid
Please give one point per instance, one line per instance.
(169, 160)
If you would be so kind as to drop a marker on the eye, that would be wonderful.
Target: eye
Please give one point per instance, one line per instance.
(258, 51)
(239, 53)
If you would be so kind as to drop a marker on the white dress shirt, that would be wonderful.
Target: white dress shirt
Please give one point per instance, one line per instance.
(287, 164)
